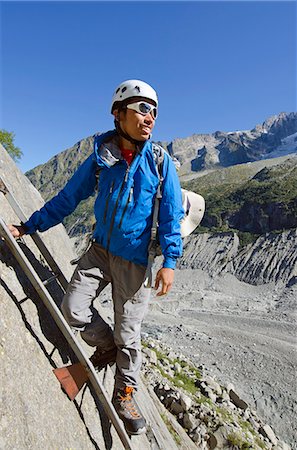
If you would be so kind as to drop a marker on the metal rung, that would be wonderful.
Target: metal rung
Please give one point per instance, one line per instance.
(23, 300)
(50, 280)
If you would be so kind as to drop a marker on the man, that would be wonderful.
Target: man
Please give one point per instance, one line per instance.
(124, 168)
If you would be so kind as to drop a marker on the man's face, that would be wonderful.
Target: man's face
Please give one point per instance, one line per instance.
(136, 125)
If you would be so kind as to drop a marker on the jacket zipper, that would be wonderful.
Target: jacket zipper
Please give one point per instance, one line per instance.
(107, 201)
(115, 208)
(126, 206)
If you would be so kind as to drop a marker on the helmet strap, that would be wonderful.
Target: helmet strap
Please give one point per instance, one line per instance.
(138, 144)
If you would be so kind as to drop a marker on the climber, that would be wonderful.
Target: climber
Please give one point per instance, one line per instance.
(123, 173)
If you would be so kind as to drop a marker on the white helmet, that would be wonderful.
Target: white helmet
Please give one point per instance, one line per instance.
(133, 88)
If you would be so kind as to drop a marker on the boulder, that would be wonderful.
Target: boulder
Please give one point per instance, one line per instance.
(268, 433)
(151, 354)
(176, 408)
(186, 402)
(217, 440)
(213, 384)
(237, 400)
(281, 446)
(189, 421)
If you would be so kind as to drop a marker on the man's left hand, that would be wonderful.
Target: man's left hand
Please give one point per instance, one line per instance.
(164, 276)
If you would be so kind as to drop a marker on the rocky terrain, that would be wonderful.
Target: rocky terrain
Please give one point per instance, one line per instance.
(214, 415)
(272, 258)
(233, 310)
(243, 334)
(201, 412)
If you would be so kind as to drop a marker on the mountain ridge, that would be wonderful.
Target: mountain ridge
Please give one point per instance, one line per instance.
(282, 125)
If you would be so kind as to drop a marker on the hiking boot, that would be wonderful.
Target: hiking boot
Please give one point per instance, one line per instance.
(101, 358)
(128, 411)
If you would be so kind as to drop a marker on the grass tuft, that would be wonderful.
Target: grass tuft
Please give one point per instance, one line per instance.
(171, 430)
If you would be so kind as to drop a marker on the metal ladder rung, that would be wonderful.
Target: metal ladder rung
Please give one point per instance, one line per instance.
(50, 280)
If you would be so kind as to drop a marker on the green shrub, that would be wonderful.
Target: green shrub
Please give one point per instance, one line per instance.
(237, 441)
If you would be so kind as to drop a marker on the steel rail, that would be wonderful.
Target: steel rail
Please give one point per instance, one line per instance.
(67, 332)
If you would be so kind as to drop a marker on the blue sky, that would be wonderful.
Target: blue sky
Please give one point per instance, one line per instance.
(216, 66)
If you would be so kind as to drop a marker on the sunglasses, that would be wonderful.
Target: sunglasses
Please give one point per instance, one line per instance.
(144, 108)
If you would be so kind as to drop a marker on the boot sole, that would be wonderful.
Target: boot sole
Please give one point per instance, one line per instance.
(136, 433)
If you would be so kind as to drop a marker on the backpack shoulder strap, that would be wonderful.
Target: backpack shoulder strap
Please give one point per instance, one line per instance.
(158, 153)
(97, 175)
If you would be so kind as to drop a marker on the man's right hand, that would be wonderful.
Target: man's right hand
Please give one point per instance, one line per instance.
(16, 230)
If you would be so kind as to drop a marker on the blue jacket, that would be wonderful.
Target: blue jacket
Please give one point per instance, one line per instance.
(124, 203)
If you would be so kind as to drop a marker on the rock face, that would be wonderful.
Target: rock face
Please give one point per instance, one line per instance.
(54, 174)
(274, 137)
(258, 197)
(268, 202)
(209, 252)
(35, 413)
(272, 258)
(259, 219)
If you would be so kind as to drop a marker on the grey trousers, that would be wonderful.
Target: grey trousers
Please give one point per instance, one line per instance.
(96, 269)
